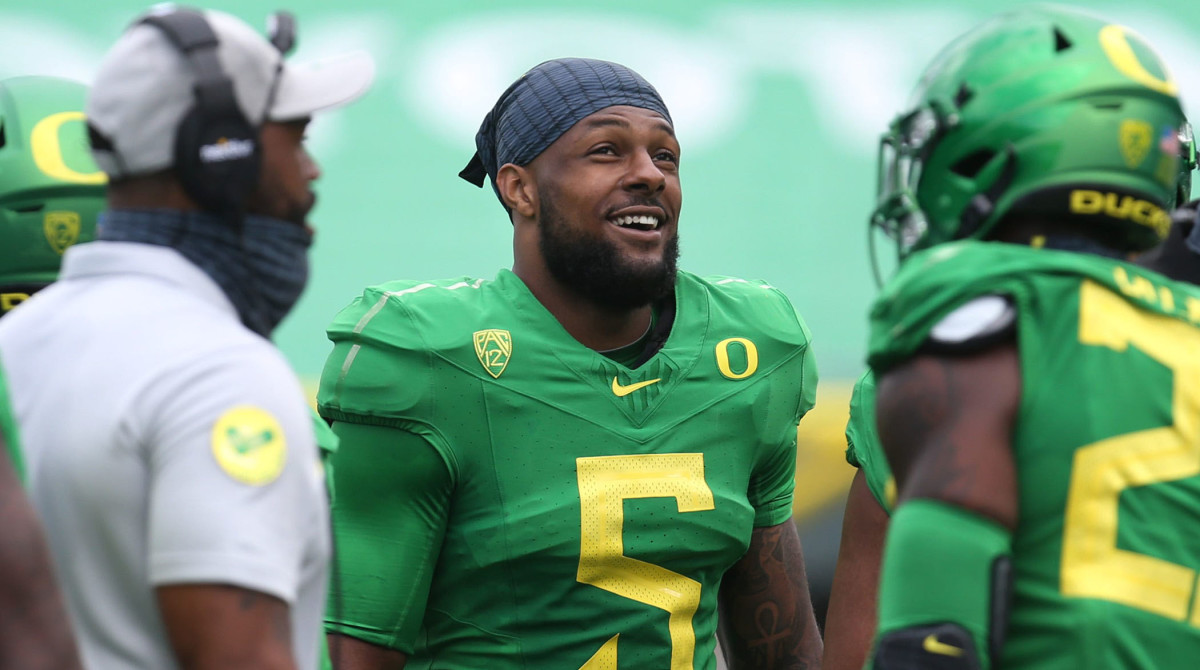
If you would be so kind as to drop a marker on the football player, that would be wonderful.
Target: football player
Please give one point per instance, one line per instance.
(50, 194)
(50, 188)
(577, 463)
(1057, 136)
(872, 491)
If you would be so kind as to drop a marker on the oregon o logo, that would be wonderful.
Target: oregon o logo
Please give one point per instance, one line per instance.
(47, 151)
(747, 347)
(1115, 41)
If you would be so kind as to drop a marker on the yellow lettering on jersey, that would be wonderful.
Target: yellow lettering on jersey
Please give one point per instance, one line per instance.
(1166, 299)
(605, 483)
(750, 350)
(1115, 41)
(1143, 289)
(10, 300)
(1193, 309)
(605, 657)
(1126, 208)
(1135, 287)
(47, 152)
(249, 445)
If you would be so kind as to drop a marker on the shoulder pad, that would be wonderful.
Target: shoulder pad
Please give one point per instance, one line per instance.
(974, 325)
(753, 300)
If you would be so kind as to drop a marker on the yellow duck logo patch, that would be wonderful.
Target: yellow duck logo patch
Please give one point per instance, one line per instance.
(249, 445)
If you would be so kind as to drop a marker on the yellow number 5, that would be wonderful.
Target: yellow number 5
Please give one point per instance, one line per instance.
(1092, 564)
(605, 483)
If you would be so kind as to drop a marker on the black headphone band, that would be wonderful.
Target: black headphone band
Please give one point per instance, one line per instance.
(217, 150)
(189, 32)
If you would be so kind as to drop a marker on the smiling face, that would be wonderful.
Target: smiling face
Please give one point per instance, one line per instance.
(607, 207)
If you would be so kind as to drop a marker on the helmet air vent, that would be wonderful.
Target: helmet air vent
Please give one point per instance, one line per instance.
(1061, 42)
(963, 96)
(970, 165)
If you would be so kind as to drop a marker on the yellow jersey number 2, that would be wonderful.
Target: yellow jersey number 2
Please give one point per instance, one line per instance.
(1092, 564)
(605, 483)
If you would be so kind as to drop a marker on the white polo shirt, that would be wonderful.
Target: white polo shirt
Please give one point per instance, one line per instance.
(165, 444)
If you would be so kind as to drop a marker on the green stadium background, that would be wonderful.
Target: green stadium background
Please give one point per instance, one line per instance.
(778, 107)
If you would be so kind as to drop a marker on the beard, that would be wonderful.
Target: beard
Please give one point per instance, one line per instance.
(593, 267)
(273, 203)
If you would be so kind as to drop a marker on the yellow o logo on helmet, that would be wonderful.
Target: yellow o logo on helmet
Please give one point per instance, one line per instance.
(47, 152)
(1115, 41)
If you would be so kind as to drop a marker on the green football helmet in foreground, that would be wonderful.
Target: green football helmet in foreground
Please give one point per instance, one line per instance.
(1046, 111)
(50, 189)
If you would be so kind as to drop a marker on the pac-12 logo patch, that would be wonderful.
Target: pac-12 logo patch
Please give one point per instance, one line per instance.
(494, 348)
(62, 229)
(249, 445)
(1136, 138)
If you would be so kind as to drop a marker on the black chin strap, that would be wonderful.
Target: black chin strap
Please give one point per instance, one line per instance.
(983, 204)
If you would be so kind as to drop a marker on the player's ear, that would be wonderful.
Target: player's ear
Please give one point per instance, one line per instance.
(517, 189)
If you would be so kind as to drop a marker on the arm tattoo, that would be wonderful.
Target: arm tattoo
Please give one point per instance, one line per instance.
(767, 618)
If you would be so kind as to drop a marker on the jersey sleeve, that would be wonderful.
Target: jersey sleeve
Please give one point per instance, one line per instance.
(393, 474)
(857, 424)
(9, 437)
(389, 515)
(773, 481)
(863, 450)
(237, 489)
(378, 372)
(932, 301)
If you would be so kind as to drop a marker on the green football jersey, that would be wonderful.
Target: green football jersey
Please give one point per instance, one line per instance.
(595, 508)
(863, 450)
(327, 444)
(1106, 446)
(8, 430)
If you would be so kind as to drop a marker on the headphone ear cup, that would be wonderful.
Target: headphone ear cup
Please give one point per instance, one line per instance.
(217, 160)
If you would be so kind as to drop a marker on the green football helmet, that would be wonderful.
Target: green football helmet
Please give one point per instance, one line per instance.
(50, 188)
(1043, 111)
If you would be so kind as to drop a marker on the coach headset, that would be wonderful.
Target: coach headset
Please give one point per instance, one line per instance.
(217, 149)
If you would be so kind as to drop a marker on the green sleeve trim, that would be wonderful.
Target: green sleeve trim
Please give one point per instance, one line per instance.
(773, 482)
(393, 496)
(938, 566)
(851, 456)
(425, 431)
(773, 513)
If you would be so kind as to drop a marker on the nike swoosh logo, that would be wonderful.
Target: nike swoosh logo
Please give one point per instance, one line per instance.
(622, 391)
(934, 646)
